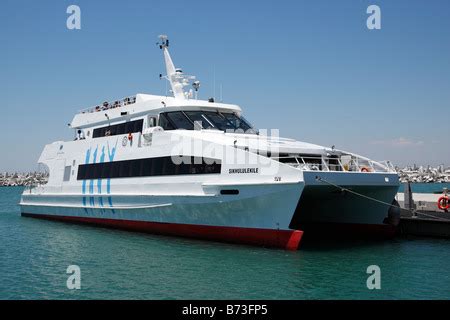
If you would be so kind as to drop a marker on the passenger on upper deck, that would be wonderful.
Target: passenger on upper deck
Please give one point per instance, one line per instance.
(105, 106)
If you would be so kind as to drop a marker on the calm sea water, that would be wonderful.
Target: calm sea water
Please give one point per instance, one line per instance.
(35, 254)
(426, 187)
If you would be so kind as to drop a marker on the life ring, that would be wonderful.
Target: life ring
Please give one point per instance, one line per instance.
(365, 169)
(443, 203)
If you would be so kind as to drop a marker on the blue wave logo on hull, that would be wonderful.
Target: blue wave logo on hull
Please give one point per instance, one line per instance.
(83, 185)
(111, 155)
(91, 183)
(99, 181)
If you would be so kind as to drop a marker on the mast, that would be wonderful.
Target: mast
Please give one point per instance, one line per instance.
(177, 79)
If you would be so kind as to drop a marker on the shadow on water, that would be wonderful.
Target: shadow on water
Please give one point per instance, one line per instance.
(328, 244)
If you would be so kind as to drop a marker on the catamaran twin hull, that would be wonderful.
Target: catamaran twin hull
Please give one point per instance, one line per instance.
(120, 172)
(217, 205)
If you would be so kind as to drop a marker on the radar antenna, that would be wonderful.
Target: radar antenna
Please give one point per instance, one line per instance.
(177, 79)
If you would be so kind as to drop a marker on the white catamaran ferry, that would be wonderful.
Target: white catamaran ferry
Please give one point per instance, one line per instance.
(196, 168)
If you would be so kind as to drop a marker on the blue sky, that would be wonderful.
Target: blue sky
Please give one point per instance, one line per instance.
(309, 68)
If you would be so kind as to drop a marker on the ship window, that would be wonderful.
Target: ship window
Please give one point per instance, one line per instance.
(219, 121)
(196, 116)
(136, 168)
(97, 169)
(117, 129)
(121, 128)
(124, 169)
(106, 170)
(147, 167)
(81, 172)
(156, 166)
(164, 122)
(137, 126)
(238, 123)
(208, 119)
(110, 131)
(115, 169)
(180, 120)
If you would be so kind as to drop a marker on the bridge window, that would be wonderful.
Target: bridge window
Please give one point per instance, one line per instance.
(180, 121)
(238, 123)
(208, 119)
(165, 123)
(198, 117)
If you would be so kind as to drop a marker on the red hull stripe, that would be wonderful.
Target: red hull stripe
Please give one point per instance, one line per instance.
(287, 239)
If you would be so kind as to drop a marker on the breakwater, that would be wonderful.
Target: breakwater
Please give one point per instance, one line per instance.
(22, 179)
(424, 174)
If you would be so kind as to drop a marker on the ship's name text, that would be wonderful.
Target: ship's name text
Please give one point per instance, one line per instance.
(243, 170)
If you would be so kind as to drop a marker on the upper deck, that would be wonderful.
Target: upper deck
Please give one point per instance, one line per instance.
(140, 105)
(144, 104)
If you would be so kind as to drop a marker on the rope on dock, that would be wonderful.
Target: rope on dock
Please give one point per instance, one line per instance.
(414, 212)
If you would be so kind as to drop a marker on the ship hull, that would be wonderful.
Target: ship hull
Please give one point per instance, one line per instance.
(347, 206)
(286, 239)
(258, 215)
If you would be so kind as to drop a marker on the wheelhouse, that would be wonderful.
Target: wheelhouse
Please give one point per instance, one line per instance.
(201, 119)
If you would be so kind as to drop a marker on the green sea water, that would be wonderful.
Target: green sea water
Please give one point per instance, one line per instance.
(34, 256)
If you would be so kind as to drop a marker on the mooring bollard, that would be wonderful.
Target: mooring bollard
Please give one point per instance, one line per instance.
(409, 201)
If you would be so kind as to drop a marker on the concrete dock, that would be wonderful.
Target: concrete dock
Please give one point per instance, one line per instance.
(426, 202)
(421, 215)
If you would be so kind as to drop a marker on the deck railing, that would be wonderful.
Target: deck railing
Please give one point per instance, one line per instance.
(353, 164)
(110, 105)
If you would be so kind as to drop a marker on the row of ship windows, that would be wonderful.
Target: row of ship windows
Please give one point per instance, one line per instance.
(122, 128)
(188, 120)
(147, 167)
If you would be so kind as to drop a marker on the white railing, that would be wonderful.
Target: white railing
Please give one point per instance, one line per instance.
(353, 164)
(110, 105)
